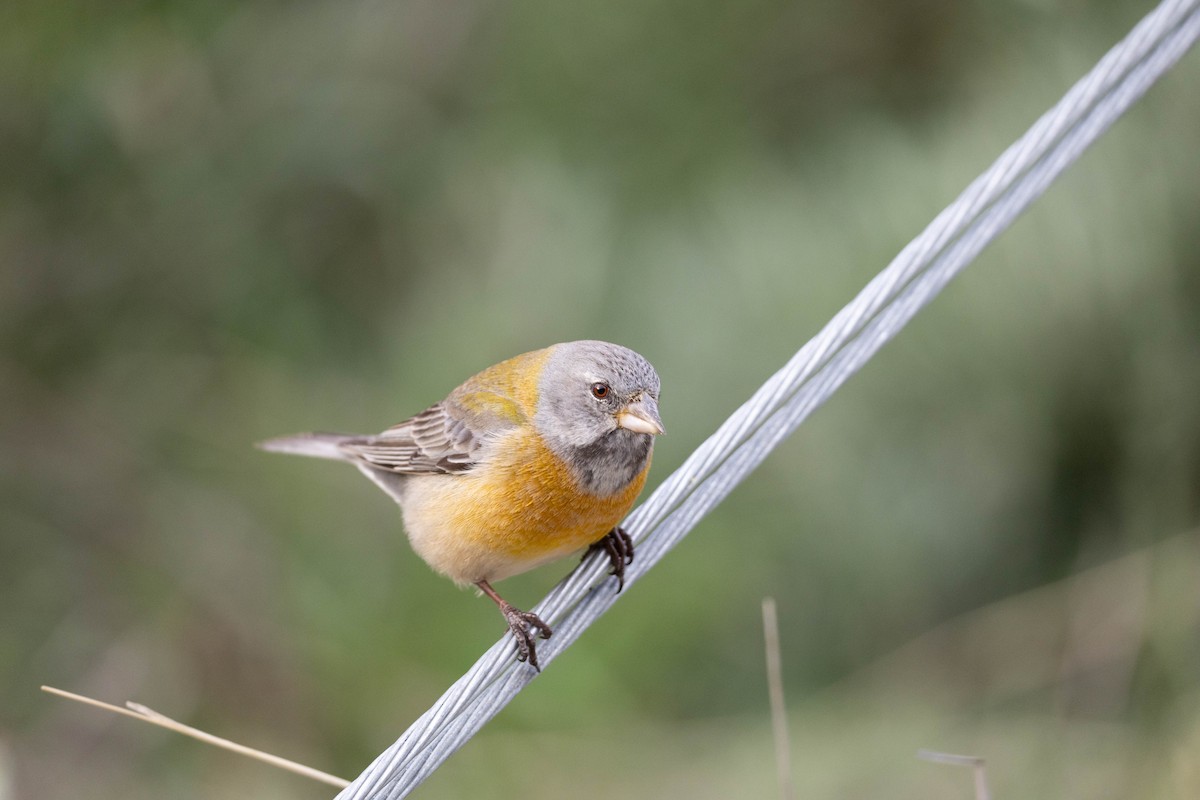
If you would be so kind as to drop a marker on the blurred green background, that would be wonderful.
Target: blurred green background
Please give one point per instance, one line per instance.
(225, 221)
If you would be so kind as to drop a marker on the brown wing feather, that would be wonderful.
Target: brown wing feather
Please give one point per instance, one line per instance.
(449, 436)
(444, 438)
(436, 440)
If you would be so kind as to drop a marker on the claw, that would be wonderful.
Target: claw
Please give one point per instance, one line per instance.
(617, 544)
(519, 624)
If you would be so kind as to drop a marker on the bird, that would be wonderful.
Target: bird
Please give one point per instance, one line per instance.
(525, 463)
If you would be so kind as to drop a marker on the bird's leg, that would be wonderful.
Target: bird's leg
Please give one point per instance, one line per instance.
(618, 546)
(518, 622)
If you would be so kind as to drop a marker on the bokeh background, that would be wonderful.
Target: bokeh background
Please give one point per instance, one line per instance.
(225, 221)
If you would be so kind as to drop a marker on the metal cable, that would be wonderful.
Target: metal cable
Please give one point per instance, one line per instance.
(985, 209)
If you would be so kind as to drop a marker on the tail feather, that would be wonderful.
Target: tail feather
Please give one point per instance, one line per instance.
(317, 445)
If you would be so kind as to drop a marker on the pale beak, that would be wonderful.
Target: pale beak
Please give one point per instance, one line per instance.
(641, 416)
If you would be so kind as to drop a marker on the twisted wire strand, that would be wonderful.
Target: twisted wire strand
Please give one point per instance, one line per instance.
(917, 274)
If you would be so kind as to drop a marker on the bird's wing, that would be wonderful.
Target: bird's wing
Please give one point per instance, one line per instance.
(444, 438)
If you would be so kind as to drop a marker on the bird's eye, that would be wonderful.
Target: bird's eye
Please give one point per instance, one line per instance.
(600, 390)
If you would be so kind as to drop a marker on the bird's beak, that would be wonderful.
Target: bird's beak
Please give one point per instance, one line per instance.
(641, 416)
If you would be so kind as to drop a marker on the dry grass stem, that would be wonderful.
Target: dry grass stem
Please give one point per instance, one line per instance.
(141, 712)
(975, 762)
(783, 747)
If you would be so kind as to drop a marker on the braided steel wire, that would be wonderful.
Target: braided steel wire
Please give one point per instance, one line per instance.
(916, 275)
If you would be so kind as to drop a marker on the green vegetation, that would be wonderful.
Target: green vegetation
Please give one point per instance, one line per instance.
(226, 221)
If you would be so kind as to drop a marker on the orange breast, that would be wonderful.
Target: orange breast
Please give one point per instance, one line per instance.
(524, 510)
(545, 510)
(531, 506)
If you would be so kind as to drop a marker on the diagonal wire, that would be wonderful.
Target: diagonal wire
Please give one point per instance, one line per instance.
(984, 209)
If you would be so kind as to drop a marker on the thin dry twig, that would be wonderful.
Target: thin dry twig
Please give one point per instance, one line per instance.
(783, 747)
(975, 762)
(141, 712)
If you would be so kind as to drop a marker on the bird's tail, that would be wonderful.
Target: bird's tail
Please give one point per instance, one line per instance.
(317, 445)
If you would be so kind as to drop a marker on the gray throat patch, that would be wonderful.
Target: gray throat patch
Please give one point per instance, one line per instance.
(607, 465)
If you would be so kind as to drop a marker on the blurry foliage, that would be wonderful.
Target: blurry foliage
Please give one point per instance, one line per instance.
(225, 221)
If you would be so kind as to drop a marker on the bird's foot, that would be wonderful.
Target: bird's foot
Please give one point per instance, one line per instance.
(618, 546)
(520, 623)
